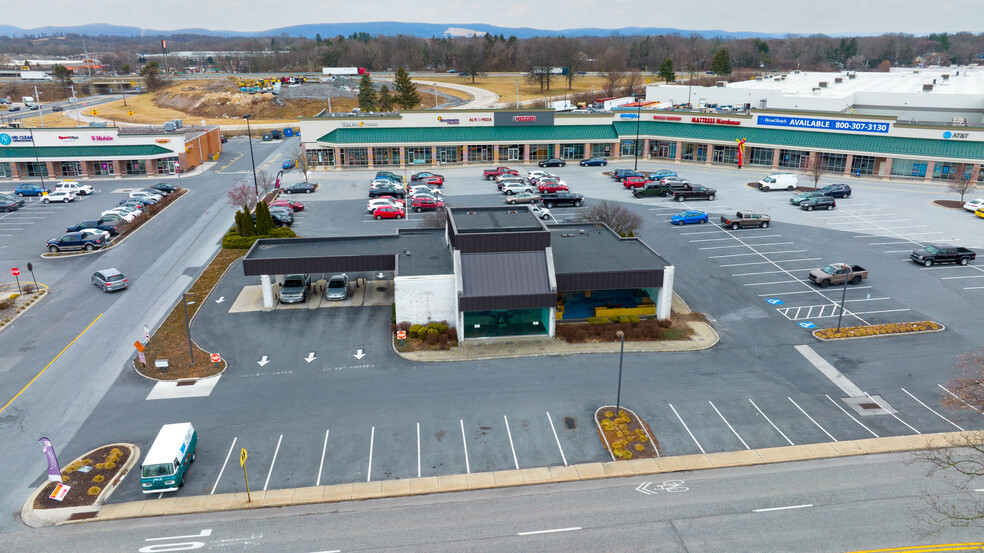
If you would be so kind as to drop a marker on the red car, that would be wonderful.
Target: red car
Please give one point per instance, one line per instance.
(296, 206)
(634, 182)
(430, 181)
(551, 186)
(389, 212)
(429, 203)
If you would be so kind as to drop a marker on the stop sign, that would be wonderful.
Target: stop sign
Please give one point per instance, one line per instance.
(14, 271)
(216, 357)
(401, 334)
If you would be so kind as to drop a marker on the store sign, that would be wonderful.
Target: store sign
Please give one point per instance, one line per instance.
(523, 118)
(7, 139)
(822, 124)
(628, 116)
(715, 121)
(479, 119)
(67, 137)
(359, 124)
(448, 121)
(667, 118)
(958, 135)
(100, 137)
(162, 140)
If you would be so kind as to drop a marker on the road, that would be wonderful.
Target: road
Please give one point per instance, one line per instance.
(481, 98)
(828, 506)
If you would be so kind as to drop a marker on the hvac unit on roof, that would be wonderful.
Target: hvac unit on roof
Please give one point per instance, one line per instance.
(721, 84)
(927, 88)
(823, 84)
(838, 80)
(852, 76)
(946, 76)
(816, 91)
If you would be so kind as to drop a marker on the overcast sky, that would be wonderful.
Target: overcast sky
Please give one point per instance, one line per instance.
(779, 16)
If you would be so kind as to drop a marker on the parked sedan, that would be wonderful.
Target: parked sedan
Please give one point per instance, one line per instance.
(75, 241)
(337, 287)
(59, 196)
(974, 205)
(689, 217)
(837, 190)
(8, 205)
(389, 212)
(109, 280)
(426, 174)
(803, 196)
(553, 162)
(163, 188)
(551, 186)
(523, 198)
(660, 173)
(593, 162)
(387, 201)
(818, 202)
(289, 164)
(300, 188)
(294, 206)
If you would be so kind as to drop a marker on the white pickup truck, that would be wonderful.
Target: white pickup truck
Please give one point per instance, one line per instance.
(72, 186)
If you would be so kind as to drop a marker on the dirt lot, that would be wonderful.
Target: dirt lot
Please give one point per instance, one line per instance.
(505, 87)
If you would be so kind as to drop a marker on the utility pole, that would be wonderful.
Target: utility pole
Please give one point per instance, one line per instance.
(37, 98)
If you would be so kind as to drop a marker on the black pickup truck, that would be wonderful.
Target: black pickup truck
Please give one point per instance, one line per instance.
(942, 254)
(660, 189)
(561, 198)
(694, 192)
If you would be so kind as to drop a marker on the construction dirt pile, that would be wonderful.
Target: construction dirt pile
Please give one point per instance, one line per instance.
(220, 98)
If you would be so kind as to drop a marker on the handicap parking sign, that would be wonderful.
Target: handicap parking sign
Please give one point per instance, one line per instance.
(774, 301)
(807, 324)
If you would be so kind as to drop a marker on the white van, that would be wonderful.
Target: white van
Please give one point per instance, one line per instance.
(167, 461)
(778, 181)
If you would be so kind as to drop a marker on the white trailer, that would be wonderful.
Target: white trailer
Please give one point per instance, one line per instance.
(35, 76)
(347, 71)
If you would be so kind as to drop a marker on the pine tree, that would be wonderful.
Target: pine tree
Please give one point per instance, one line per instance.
(406, 92)
(386, 99)
(249, 227)
(367, 94)
(264, 222)
(666, 70)
(239, 222)
(721, 63)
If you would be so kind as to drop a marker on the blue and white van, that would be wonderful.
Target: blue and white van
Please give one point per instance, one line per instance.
(167, 461)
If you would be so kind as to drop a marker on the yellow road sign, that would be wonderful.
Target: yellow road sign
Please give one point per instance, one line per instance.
(242, 456)
(94, 112)
(130, 113)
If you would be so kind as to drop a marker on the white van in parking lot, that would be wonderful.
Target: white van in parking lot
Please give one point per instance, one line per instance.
(778, 181)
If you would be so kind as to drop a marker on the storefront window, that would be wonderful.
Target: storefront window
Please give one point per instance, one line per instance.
(664, 150)
(833, 163)
(627, 148)
(166, 166)
(356, 156)
(5, 170)
(909, 168)
(760, 156)
(694, 152)
(794, 159)
(725, 154)
(481, 153)
(135, 167)
(864, 165)
(951, 171)
(572, 151)
(601, 150)
(103, 168)
(322, 157)
(385, 156)
(70, 168)
(538, 152)
(36, 169)
(448, 154)
(506, 322)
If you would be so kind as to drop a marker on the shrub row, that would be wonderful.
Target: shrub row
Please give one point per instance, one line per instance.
(645, 329)
(876, 330)
(232, 240)
(434, 333)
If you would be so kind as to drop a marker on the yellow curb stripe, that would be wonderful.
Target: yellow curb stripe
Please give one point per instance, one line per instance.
(927, 548)
(49, 363)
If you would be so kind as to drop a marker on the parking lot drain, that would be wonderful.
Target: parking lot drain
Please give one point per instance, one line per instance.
(869, 406)
(570, 423)
(382, 288)
(186, 383)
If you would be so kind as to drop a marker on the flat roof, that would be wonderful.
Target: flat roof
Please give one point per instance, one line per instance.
(424, 252)
(590, 248)
(494, 219)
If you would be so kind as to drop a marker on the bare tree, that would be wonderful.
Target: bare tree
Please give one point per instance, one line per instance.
(961, 183)
(613, 71)
(302, 161)
(242, 194)
(265, 181)
(633, 83)
(434, 219)
(620, 219)
(815, 169)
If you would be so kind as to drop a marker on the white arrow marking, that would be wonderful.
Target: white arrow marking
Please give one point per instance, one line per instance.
(220, 300)
(310, 357)
(642, 488)
(263, 361)
(359, 354)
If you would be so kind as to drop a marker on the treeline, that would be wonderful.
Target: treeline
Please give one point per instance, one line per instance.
(492, 53)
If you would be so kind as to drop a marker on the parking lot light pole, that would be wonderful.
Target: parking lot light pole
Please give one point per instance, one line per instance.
(847, 278)
(249, 135)
(621, 352)
(638, 118)
(191, 350)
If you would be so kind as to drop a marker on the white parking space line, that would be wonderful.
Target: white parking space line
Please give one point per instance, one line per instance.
(852, 417)
(464, 442)
(955, 425)
(745, 264)
(554, 530)
(920, 234)
(943, 268)
(896, 251)
(273, 462)
(829, 371)
(701, 231)
(958, 277)
(731, 255)
(896, 417)
(723, 247)
(766, 417)
(729, 425)
(756, 253)
(974, 288)
(776, 282)
(960, 399)
(888, 243)
(711, 239)
(562, 456)
(759, 273)
(418, 450)
(321, 467)
(804, 506)
(809, 292)
(226, 462)
(811, 419)
(511, 446)
(372, 438)
(792, 260)
(894, 228)
(687, 429)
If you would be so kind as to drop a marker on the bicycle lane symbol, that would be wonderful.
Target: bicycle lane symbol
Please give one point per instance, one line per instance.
(649, 488)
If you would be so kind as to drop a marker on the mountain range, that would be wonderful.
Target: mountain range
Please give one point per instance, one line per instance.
(390, 28)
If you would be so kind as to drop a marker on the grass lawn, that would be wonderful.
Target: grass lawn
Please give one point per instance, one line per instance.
(53, 120)
(505, 87)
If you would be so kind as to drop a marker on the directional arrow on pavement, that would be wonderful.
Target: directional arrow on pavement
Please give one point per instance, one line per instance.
(643, 488)
(263, 361)
(220, 300)
(359, 354)
(310, 357)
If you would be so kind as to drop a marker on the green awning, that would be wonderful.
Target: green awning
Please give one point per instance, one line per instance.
(471, 135)
(812, 140)
(79, 152)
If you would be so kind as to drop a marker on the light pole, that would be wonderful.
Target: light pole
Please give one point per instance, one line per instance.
(249, 134)
(621, 352)
(191, 350)
(517, 93)
(638, 119)
(847, 278)
(37, 160)
(40, 107)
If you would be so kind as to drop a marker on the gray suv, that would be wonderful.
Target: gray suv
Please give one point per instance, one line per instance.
(337, 288)
(295, 289)
(109, 280)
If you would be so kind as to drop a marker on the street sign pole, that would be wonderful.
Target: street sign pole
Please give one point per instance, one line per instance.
(35, 279)
(242, 462)
(15, 271)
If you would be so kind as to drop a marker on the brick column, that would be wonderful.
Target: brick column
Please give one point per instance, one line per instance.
(848, 163)
(495, 154)
(464, 155)
(678, 156)
(526, 153)
(930, 167)
(52, 169)
(433, 156)
(616, 150)
(886, 168)
(975, 171)
(369, 158)
(645, 147)
(557, 152)
(403, 156)
(710, 154)
(338, 157)
(810, 160)
(587, 151)
(775, 158)
(118, 170)
(15, 170)
(86, 169)
(151, 168)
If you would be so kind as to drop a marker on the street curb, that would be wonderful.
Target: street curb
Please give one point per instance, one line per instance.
(893, 335)
(26, 309)
(523, 477)
(70, 255)
(39, 518)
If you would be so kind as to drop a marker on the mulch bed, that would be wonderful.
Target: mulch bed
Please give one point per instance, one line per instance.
(82, 483)
(444, 339)
(869, 331)
(10, 307)
(643, 330)
(949, 204)
(626, 436)
(170, 340)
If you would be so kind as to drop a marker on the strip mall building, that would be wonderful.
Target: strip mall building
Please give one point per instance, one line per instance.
(84, 152)
(876, 146)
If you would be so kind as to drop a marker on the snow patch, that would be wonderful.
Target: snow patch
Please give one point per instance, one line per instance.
(461, 31)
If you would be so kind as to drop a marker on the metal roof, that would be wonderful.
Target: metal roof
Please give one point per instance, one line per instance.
(816, 140)
(77, 152)
(471, 135)
(504, 274)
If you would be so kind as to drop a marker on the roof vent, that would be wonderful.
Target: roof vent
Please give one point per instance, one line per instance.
(470, 213)
(838, 80)
(582, 231)
(721, 84)
(855, 76)
(513, 212)
(927, 88)
(823, 84)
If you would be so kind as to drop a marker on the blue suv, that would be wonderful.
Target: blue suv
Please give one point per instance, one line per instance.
(28, 190)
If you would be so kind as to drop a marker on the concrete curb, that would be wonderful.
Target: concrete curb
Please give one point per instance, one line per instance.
(44, 294)
(540, 475)
(39, 518)
(893, 335)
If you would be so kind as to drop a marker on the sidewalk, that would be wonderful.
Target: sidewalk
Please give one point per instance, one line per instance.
(523, 477)
(704, 337)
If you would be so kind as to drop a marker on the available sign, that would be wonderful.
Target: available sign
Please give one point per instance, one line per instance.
(715, 121)
(822, 124)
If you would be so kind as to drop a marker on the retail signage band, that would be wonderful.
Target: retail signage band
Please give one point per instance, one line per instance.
(824, 124)
(714, 121)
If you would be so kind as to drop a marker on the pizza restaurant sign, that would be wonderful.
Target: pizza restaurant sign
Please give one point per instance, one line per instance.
(715, 121)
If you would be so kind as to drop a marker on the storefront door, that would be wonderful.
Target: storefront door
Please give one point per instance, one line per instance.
(513, 154)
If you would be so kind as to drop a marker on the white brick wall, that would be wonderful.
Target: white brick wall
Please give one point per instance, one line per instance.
(423, 299)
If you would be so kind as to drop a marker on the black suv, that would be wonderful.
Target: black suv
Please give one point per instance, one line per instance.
(384, 190)
(837, 190)
(818, 202)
